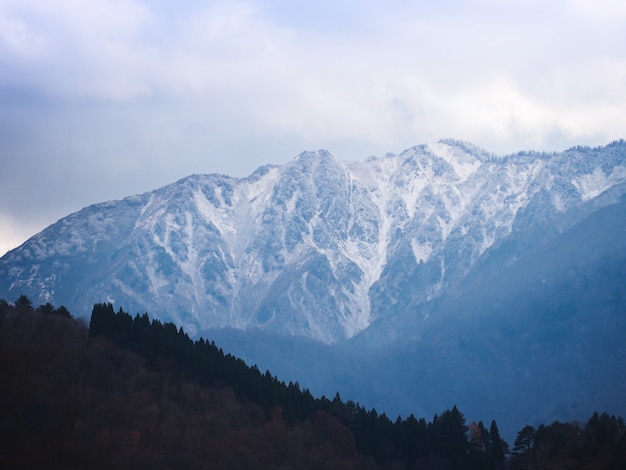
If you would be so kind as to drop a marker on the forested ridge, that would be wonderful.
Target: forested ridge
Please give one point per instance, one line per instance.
(130, 392)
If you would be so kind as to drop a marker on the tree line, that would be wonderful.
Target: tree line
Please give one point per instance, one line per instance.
(409, 441)
(152, 364)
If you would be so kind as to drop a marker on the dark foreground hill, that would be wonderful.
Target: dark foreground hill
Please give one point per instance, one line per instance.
(72, 401)
(131, 393)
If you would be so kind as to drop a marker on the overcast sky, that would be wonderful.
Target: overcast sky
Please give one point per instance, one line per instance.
(101, 99)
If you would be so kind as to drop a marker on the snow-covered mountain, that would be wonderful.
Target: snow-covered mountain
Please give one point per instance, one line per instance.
(443, 275)
(316, 247)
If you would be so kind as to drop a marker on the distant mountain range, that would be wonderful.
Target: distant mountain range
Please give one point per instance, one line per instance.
(444, 273)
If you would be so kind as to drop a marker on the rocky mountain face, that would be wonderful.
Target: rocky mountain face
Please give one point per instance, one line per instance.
(316, 247)
(444, 256)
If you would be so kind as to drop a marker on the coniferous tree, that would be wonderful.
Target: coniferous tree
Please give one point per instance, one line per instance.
(525, 440)
(62, 311)
(450, 438)
(46, 309)
(23, 304)
(478, 444)
(102, 320)
(496, 449)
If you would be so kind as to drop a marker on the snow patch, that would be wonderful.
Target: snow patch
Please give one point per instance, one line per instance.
(464, 164)
(593, 184)
(421, 252)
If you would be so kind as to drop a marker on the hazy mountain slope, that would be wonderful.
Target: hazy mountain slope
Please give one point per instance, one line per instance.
(543, 340)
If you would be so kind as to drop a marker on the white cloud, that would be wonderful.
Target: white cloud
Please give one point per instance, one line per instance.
(85, 48)
(14, 231)
(18, 40)
(604, 10)
(130, 94)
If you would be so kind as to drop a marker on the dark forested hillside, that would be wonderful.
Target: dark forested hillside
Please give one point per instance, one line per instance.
(68, 400)
(134, 393)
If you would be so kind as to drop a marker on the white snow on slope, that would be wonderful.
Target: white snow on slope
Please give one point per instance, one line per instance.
(222, 244)
(593, 184)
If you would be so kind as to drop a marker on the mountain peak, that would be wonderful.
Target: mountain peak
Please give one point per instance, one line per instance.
(314, 156)
(315, 247)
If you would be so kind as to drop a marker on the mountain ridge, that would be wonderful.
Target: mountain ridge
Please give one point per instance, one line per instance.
(315, 247)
